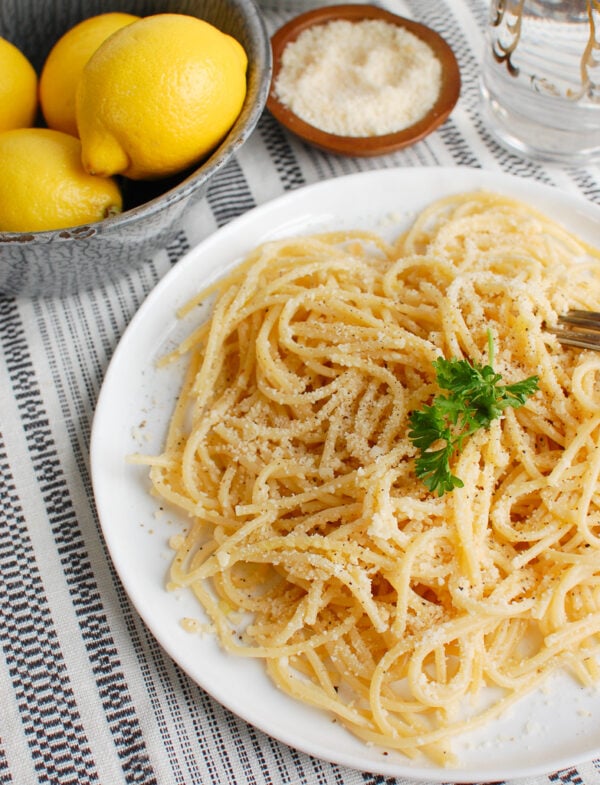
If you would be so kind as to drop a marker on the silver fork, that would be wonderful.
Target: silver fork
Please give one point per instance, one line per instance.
(586, 329)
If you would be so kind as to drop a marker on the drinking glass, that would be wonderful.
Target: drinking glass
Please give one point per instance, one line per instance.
(540, 80)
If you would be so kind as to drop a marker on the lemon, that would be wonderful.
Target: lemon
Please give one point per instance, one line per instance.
(158, 95)
(18, 88)
(44, 186)
(64, 64)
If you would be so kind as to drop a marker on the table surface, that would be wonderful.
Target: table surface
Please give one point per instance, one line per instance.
(87, 695)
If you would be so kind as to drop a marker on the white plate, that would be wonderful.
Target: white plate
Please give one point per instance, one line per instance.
(548, 731)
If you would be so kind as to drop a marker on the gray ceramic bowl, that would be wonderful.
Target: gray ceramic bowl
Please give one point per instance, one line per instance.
(62, 262)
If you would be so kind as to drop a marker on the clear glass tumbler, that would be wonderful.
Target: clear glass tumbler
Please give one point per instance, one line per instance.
(540, 80)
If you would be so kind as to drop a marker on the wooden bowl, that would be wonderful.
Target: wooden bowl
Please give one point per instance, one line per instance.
(365, 145)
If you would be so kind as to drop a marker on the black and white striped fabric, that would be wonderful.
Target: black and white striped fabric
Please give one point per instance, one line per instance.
(86, 693)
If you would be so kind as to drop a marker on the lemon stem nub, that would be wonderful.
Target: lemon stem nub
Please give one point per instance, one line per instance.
(113, 210)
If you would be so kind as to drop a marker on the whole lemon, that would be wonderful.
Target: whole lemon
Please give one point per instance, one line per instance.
(64, 64)
(44, 186)
(158, 95)
(18, 88)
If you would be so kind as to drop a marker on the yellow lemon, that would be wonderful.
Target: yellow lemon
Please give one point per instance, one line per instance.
(44, 186)
(64, 64)
(18, 88)
(158, 95)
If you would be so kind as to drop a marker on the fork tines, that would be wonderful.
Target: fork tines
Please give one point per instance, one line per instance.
(586, 334)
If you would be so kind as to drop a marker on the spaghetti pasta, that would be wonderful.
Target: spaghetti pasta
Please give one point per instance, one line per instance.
(310, 536)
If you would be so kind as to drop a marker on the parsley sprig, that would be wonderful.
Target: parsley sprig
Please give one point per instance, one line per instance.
(475, 398)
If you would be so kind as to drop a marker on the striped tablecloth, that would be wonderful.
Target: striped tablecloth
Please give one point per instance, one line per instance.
(86, 693)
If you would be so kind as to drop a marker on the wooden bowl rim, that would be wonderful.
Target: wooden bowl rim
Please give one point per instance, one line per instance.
(359, 145)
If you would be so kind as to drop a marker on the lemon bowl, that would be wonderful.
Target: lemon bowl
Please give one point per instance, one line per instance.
(66, 261)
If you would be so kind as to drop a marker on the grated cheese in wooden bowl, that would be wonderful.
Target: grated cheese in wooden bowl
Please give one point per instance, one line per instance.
(364, 78)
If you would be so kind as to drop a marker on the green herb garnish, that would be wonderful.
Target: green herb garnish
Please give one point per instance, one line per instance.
(475, 398)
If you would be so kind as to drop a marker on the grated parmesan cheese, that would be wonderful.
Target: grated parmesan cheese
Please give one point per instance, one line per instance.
(364, 78)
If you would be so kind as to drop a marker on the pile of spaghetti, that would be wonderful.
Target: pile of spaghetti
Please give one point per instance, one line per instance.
(310, 534)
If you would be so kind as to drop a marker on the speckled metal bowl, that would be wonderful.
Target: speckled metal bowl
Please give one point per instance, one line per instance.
(65, 261)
